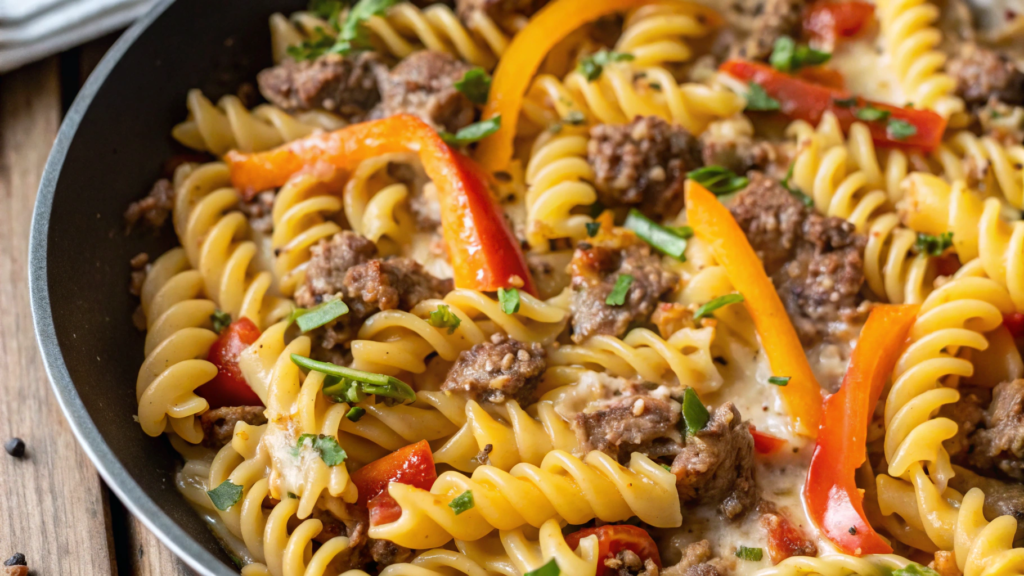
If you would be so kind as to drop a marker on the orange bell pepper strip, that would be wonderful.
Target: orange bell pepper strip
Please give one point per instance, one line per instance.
(803, 100)
(484, 252)
(712, 223)
(833, 501)
(523, 58)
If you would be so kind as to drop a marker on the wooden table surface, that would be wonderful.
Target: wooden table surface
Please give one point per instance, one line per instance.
(54, 507)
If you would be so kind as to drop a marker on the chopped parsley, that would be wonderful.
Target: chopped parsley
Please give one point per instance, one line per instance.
(618, 294)
(593, 228)
(475, 84)
(803, 198)
(788, 56)
(706, 310)
(319, 44)
(509, 300)
(443, 317)
(226, 495)
(900, 129)
(915, 569)
(574, 118)
(718, 180)
(664, 240)
(327, 446)
(221, 320)
(750, 554)
(695, 414)
(355, 413)
(345, 384)
(462, 502)
(352, 34)
(592, 66)
(473, 132)
(549, 569)
(329, 10)
(759, 101)
(779, 380)
(869, 113)
(933, 245)
(319, 315)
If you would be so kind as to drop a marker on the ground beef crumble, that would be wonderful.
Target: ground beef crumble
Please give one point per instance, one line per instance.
(628, 563)
(423, 84)
(697, 560)
(982, 73)
(501, 11)
(774, 19)
(346, 85)
(1000, 445)
(153, 210)
(636, 422)
(219, 424)
(499, 370)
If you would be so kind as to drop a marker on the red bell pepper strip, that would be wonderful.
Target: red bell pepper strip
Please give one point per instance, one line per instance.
(484, 252)
(412, 465)
(806, 101)
(765, 443)
(1014, 322)
(830, 493)
(828, 21)
(615, 538)
(228, 387)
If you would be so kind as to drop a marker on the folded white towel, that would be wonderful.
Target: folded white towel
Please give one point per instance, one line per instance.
(33, 29)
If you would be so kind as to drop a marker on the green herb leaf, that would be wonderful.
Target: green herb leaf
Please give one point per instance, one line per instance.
(221, 320)
(845, 102)
(593, 228)
(327, 446)
(695, 414)
(750, 554)
(900, 129)
(355, 413)
(462, 502)
(353, 35)
(509, 300)
(718, 180)
(803, 198)
(443, 317)
(226, 495)
(319, 315)
(933, 245)
(473, 132)
(657, 236)
(475, 84)
(779, 380)
(666, 467)
(349, 382)
(685, 232)
(788, 56)
(915, 569)
(706, 310)
(549, 569)
(592, 66)
(574, 118)
(329, 10)
(319, 44)
(618, 294)
(869, 113)
(759, 101)
(596, 209)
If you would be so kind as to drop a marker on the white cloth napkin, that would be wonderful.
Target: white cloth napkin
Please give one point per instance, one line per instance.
(34, 29)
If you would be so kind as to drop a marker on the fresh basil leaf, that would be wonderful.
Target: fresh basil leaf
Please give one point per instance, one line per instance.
(326, 446)
(706, 310)
(473, 132)
(509, 300)
(475, 84)
(718, 180)
(549, 569)
(226, 495)
(933, 245)
(592, 66)
(443, 317)
(221, 320)
(695, 414)
(869, 113)
(462, 502)
(593, 228)
(759, 101)
(900, 129)
(915, 569)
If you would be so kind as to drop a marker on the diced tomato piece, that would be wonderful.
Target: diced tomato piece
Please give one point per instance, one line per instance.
(765, 443)
(947, 264)
(828, 21)
(1014, 322)
(412, 465)
(784, 539)
(822, 76)
(614, 538)
(228, 387)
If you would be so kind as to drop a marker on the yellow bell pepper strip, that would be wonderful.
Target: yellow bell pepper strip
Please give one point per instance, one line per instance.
(525, 54)
(484, 252)
(834, 503)
(712, 223)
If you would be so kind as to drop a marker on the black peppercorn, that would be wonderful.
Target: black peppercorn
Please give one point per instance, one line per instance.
(17, 560)
(15, 447)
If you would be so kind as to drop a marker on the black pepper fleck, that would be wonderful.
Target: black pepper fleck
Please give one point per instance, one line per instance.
(15, 447)
(17, 560)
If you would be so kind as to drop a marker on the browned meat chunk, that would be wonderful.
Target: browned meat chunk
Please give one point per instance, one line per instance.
(1001, 498)
(628, 563)
(500, 11)
(346, 85)
(260, 211)
(982, 73)
(346, 266)
(730, 143)
(423, 85)
(622, 425)
(596, 267)
(784, 539)
(968, 413)
(219, 424)
(697, 560)
(642, 163)
(671, 317)
(386, 553)
(716, 465)
(152, 210)
(499, 370)
(815, 261)
(774, 19)
(1001, 444)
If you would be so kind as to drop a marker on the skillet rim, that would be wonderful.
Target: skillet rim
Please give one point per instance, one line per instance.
(114, 474)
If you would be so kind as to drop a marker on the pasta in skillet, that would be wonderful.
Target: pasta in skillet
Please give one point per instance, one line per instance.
(604, 288)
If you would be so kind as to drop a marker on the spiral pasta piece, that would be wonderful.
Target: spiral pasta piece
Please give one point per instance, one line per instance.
(391, 341)
(215, 238)
(178, 319)
(686, 356)
(513, 553)
(837, 564)
(911, 41)
(998, 167)
(562, 487)
(979, 230)
(559, 180)
(656, 33)
(405, 29)
(301, 219)
(231, 126)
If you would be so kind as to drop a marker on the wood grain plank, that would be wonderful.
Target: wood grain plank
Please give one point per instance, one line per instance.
(53, 506)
